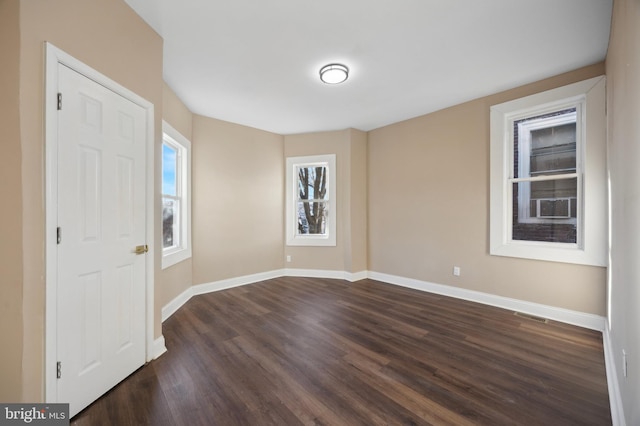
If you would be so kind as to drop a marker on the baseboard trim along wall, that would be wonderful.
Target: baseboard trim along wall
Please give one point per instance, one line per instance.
(159, 347)
(235, 282)
(581, 319)
(318, 273)
(171, 307)
(615, 398)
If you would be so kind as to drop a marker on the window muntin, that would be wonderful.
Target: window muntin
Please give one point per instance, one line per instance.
(176, 192)
(311, 202)
(546, 196)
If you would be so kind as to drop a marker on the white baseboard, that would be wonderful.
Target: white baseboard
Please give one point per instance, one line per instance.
(321, 273)
(235, 282)
(171, 307)
(581, 319)
(313, 273)
(159, 347)
(356, 276)
(615, 398)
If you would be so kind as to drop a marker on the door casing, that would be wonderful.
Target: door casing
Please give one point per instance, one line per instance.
(55, 56)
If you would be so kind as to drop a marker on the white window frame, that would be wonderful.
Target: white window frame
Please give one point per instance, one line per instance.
(591, 248)
(292, 237)
(182, 251)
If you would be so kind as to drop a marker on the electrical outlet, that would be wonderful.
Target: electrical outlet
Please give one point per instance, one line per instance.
(624, 363)
(456, 271)
(288, 258)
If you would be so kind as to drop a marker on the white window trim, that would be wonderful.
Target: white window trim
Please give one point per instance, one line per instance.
(592, 246)
(173, 255)
(292, 237)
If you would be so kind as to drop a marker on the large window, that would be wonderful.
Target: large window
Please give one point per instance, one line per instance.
(311, 202)
(548, 193)
(176, 191)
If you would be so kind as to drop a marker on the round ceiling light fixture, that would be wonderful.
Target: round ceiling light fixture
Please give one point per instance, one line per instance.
(334, 73)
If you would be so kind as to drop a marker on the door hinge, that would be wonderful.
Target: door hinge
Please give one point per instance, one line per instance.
(59, 101)
(59, 370)
(58, 235)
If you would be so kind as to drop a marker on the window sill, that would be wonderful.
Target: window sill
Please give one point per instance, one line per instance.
(551, 252)
(312, 241)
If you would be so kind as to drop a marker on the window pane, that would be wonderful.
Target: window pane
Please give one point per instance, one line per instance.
(545, 211)
(312, 183)
(545, 144)
(312, 218)
(553, 150)
(558, 208)
(551, 189)
(169, 170)
(170, 220)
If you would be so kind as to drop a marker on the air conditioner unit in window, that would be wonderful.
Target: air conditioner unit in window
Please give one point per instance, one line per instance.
(551, 208)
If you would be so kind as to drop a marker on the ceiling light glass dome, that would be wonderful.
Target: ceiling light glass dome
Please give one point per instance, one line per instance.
(334, 73)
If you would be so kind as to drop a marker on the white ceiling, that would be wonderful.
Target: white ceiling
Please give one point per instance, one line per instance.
(256, 62)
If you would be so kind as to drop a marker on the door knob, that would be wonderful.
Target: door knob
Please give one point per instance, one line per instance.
(141, 249)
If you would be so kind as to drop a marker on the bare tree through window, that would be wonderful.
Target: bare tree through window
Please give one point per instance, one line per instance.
(312, 200)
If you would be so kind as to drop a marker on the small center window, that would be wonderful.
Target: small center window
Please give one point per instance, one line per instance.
(311, 200)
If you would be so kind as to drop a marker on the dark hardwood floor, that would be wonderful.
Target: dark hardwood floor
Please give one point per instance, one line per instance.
(307, 351)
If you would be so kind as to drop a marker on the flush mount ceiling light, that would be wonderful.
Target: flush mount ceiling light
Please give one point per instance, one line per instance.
(334, 73)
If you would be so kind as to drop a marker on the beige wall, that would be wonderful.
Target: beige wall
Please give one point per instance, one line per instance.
(349, 146)
(623, 104)
(429, 207)
(176, 113)
(357, 201)
(108, 36)
(11, 253)
(237, 186)
(173, 281)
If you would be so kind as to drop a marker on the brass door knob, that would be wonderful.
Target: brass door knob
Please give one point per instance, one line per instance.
(141, 249)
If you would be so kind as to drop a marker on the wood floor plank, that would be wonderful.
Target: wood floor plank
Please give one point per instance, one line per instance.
(309, 351)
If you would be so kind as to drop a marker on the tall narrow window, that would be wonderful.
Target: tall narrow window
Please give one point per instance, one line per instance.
(313, 200)
(548, 182)
(171, 197)
(547, 171)
(311, 203)
(176, 190)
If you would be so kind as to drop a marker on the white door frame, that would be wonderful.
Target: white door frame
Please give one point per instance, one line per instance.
(55, 56)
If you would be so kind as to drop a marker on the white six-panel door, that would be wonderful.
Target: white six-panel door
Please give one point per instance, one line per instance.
(102, 219)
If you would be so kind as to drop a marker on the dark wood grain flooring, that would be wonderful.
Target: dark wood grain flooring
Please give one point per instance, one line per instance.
(293, 351)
